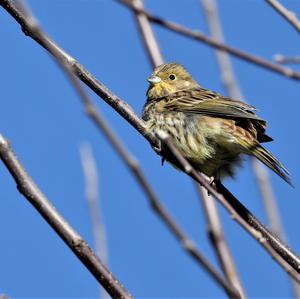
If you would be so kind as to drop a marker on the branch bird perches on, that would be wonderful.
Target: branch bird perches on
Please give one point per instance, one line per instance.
(214, 229)
(276, 248)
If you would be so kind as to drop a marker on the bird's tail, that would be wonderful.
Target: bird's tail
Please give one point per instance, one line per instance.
(268, 159)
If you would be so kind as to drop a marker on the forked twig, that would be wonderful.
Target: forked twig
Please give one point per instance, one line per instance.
(238, 212)
(280, 252)
(214, 228)
(231, 84)
(133, 165)
(186, 243)
(196, 35)
(28, 188)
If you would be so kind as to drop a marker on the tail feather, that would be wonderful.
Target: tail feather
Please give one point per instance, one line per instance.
(269, 160)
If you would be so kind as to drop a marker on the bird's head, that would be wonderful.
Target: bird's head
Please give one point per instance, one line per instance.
(167, 79)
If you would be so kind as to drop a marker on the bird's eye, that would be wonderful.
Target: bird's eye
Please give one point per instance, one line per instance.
(172, 77)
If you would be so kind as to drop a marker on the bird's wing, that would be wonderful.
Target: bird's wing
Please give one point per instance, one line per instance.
(203, 101)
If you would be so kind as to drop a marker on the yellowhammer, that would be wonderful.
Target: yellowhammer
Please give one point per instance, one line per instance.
(210, 130)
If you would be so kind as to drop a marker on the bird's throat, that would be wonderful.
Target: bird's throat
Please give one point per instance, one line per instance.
(159, 90)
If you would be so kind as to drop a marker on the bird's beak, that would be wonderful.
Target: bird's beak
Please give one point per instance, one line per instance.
(154, 79)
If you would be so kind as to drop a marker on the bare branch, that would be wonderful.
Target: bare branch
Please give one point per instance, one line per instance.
(133, 165)
(271, 208)
(76, 243)
(217, 238)
(288, 15)
(149, 40)
(93, 192)
(284, 71)
(186, 243)
(215, 231)
(286, 59)
(215, 28)
(99, 88)
(238, 212)
(233, 90)
(92, 195)
(280, 252)
(268, 196)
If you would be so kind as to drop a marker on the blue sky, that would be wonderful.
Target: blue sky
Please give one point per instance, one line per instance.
(43, 118)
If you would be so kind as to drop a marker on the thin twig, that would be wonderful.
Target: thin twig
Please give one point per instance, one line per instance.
(92, 195)
(34, 26)
(217, 239)
(280, 252)
(133, 165)
(272, 210)
(214, 227)
(215, 28)
(238, 212)
(284, 71)
(76, 243)
(231, 84)
(288, 15)
(233, 90)
(286, 59)
(268, 196)
(149, 40)
(186, 243)
(84, 75)
(217, 236)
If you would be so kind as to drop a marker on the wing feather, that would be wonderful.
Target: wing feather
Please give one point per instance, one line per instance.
(203, 101)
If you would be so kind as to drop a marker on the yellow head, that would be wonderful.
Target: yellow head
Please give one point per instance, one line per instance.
(167, 79)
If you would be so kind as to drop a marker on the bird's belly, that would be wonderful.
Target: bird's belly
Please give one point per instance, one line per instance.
(201, 140)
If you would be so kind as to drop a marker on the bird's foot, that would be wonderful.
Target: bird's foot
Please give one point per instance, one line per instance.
(213, 180)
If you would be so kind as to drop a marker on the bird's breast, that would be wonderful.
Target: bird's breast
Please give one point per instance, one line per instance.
(186, 132)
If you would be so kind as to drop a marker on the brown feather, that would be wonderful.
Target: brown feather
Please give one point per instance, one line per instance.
(211, 130)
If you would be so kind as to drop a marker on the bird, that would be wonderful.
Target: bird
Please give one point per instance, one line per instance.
(211, 131)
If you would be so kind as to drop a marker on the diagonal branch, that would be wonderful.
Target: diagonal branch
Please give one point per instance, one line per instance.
(276, 248)
(30, 190)
(93, 199)
(233, 90)
(99, 88)
(238, 212)
(92, 195)
(288, 15)
(215, 28)
(196, 35)
(217, 239)
(149, 39)
(231, 84)
(215, 232)
(132, 164)
(80, 248)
